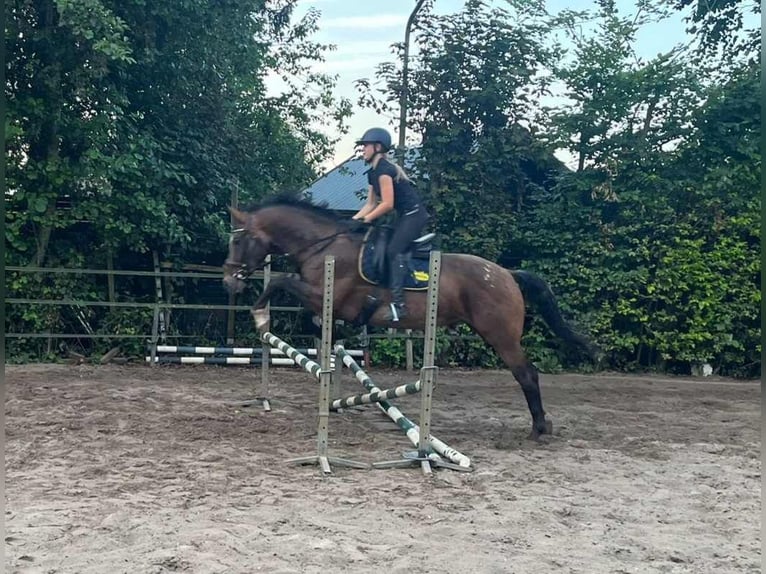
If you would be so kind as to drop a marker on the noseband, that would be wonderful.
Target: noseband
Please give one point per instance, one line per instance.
(243, 270)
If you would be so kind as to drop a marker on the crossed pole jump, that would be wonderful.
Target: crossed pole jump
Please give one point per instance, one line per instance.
(430, 450)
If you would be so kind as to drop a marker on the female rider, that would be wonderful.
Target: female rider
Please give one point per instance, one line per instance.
(391, 190)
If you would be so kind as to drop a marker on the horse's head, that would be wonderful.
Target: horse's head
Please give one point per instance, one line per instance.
(248, 248)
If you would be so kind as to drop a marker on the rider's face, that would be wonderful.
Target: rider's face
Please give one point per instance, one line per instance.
(368, 150)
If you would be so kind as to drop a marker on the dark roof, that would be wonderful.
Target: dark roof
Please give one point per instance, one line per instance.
(344, 188)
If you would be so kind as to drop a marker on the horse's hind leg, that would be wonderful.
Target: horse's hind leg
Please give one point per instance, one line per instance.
(527, 377)
(525, 373)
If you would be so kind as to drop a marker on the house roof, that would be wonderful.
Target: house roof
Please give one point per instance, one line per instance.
(344, 188)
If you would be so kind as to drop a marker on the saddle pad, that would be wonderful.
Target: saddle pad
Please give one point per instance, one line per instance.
(416, 279)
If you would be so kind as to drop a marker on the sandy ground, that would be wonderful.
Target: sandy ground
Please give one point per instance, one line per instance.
(135, 469)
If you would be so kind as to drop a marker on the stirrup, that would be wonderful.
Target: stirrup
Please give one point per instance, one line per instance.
(396, 312)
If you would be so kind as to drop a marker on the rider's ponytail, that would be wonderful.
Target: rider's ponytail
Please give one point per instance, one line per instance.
(401, 175)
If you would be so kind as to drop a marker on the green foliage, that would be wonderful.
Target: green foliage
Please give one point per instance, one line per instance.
(471, 89)
(659, 255)
(454, 348)
(721, 29)
(388, 352)
(652, 244)
(91, 21)
(130, 124)
(141, 119)
(125, 321)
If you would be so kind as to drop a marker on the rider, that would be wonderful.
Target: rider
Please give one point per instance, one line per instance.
(390, 189)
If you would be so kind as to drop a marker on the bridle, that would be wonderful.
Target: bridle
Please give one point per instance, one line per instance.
(243, 270)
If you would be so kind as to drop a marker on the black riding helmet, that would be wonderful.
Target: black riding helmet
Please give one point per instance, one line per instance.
(376, 135)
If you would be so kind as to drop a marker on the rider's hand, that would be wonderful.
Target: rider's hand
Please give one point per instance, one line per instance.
(358, 225)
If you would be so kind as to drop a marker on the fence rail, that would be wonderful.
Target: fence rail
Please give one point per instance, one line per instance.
(159, 305)
(187, 274)
(147, 305)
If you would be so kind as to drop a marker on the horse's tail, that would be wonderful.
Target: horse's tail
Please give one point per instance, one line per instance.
(537, 291)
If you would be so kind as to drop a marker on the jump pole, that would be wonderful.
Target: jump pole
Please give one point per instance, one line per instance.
(239, 351)
(411, 430)
(283, 361)
(377, 396)
(325, 374)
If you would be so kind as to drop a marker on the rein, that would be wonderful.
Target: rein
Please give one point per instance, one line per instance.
(319, 244)
(244, 270)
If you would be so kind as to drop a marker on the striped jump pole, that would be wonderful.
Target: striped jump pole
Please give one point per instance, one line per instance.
(283, 354)
(283, 361)
(367, 398)
(297, 357)
(238, 351)
(410, 428)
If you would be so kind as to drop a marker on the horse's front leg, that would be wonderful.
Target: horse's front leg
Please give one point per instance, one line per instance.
(292, 284)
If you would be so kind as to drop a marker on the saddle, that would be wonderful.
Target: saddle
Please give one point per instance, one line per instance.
(373, 264)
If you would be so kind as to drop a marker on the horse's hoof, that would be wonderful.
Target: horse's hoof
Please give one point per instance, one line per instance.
(535, 436)
(261, 318)
(538, 435)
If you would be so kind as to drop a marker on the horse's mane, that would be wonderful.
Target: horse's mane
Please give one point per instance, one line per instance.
(289, 199)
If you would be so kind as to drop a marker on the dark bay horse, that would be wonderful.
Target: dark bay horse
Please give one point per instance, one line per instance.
(471, 289)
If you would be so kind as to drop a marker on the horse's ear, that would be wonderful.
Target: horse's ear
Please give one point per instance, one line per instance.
(238, 217)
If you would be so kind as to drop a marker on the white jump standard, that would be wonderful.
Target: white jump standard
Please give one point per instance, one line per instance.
(324, 372)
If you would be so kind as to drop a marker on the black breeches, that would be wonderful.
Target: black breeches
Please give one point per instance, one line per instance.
(408, 228)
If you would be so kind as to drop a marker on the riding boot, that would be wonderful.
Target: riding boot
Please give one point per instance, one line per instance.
(397, 276)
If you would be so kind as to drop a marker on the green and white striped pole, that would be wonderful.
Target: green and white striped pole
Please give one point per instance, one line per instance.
(410, 428)
(367, 398)
(299, 359)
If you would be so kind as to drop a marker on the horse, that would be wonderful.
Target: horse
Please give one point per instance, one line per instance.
(472, 290)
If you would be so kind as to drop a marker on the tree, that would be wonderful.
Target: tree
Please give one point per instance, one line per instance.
(59, 106)
(723, 38)
(638, 242)
(470, 92)
(650, 244)
(129, 124)
(140, 118)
